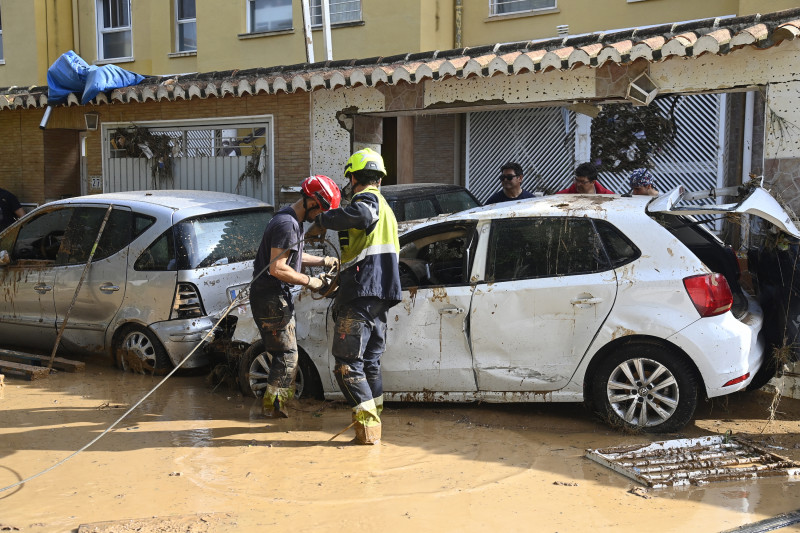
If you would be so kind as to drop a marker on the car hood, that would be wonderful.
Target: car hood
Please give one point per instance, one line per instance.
(751, 199)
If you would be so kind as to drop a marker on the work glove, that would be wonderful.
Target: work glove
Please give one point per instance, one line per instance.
(315, 284)
(330, 262)
(315, 231)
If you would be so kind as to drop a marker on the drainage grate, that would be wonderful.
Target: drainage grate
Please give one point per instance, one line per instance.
(694, 461)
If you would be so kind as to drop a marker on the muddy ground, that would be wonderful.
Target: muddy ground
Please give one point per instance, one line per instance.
(195, 459)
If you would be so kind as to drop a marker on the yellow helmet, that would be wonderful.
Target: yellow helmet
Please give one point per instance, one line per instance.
(366, 159)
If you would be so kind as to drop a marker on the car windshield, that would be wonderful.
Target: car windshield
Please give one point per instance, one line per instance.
(455, 201)
(432, 205)
(220, 239)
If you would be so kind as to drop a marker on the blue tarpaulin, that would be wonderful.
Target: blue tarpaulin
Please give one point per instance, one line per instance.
(71, 74)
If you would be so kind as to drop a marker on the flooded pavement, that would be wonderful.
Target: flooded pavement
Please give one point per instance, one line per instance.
(192, 451)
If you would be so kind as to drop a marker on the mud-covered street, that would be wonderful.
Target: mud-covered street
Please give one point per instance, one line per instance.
(195, 459)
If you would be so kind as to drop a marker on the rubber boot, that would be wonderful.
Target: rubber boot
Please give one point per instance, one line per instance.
(368, 434)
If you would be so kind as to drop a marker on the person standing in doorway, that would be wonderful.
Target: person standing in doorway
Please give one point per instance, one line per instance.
(511, 185)
(369, 285)
(585, 182)
(10, 209)
(281, 254)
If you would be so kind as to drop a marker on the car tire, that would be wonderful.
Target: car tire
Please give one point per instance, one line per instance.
(138, 350)
(645, 387)
(254, 370)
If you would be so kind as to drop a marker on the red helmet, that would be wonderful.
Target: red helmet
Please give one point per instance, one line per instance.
(324, 190)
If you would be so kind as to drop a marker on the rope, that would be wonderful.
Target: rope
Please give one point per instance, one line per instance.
(236, 301)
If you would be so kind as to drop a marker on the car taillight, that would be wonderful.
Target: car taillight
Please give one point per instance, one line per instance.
(710, 293)
(187, 302)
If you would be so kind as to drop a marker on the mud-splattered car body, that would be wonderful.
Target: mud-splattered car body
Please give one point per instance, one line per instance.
(592, 298)
(166, 262)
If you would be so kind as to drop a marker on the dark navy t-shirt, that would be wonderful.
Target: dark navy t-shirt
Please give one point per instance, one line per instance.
(284, 231)
(8, 205)
(500, 196)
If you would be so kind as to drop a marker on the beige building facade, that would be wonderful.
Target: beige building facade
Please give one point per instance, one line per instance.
(167, 37)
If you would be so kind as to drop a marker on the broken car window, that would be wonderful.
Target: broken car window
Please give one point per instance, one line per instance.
(523, 248)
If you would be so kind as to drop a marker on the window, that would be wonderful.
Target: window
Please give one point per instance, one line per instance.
(114, 29)
(544, 247)
(440, 258)
(211, 240)
(186, 26)
(269, 15)
(502, 7)
(341, 11)
(41, 237)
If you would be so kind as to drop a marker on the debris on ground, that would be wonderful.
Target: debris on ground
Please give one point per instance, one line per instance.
(694, 461)
(640, 492)
(565, 483)
(201, 523)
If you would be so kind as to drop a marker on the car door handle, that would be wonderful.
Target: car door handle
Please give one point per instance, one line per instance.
(586, 301)
(108, 287)
(42, 288)
(451, 311)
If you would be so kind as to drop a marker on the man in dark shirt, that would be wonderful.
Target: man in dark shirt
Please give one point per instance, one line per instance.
(511, 181)
(10, 209)
(281, 254)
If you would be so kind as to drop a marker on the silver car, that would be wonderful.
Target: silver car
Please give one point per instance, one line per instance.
(167, 262)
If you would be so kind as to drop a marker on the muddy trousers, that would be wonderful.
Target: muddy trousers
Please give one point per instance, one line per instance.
(358, 343)
(274, 317)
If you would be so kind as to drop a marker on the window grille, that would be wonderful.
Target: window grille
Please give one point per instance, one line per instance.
(114, 31)
(502, 7)
(186, 22)
(269, 15)
(341, 11)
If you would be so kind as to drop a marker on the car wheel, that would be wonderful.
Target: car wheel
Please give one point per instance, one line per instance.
(139, 350)
(645, 387)
(254, 371)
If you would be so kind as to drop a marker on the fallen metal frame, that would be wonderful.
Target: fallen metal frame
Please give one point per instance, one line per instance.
(694, 461)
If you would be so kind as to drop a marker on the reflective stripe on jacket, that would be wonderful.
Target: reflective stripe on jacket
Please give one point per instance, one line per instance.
(370, 247)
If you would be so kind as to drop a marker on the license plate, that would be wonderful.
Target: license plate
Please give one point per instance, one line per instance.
(233, 292)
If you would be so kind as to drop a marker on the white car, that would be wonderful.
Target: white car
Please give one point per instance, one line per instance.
(595, 298)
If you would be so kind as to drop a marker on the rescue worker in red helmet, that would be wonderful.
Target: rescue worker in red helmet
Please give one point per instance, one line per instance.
(369, 285)
(270, 298)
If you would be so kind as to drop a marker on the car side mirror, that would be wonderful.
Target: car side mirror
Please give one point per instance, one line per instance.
(5, 258)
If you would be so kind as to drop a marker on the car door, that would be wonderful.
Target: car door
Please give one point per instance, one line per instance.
(27, 307)
(103, 287)
(548, 288)
(427, 346)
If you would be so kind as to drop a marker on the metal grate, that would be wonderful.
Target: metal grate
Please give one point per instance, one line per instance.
(694, 461)
(541, 139)
(694, 158)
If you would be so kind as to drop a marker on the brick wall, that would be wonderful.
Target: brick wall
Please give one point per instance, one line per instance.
(22, 154)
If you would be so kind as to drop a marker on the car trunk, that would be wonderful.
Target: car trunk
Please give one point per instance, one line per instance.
(773, 264)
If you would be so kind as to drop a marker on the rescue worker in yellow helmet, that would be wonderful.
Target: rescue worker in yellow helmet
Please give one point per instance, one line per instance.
(369, 285)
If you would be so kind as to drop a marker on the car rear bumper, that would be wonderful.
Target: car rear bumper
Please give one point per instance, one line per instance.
(179, 337)
(724, 348)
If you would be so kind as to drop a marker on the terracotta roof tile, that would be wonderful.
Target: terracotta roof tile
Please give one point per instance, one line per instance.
(618, 48)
